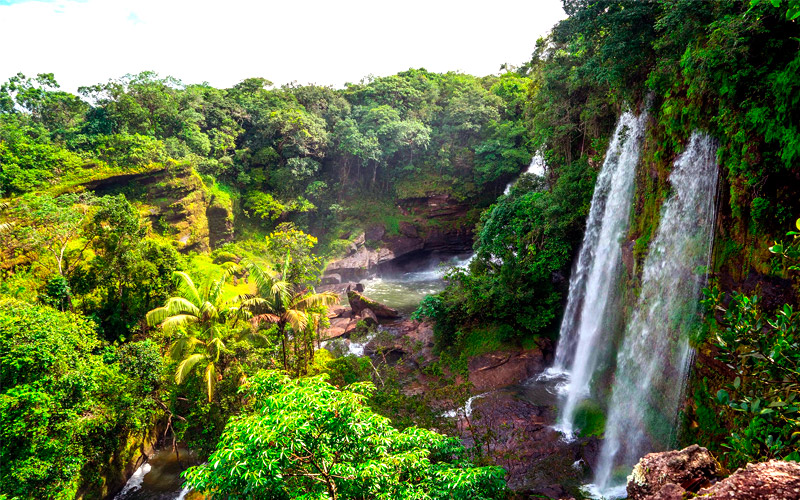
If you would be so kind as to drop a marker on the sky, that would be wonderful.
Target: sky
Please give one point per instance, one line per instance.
(305, 41)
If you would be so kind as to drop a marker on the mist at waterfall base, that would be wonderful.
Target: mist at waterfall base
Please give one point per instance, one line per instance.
(589, 315)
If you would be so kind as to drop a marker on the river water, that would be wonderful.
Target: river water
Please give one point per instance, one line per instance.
(404, 289)
(160, 477)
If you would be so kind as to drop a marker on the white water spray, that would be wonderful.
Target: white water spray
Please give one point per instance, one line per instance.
(652, 363)
(536, 167)
(595, 274)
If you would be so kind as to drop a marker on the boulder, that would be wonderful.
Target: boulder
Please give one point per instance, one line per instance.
(359, 302)
(503, 368)
(375, 233)
(773, 480)
(339, 326)
(690, 468)
(332, 279)
(368, 317)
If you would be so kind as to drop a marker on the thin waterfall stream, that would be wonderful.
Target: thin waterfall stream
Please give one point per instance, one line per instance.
(653, 360)
(585, 325)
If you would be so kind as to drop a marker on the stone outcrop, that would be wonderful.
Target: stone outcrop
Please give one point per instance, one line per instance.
(220, 222)
(436, 224)
(773, 480)
(177, 204)
(359, 303)
(690, 468)
(344, 319)
(694, 473)
(504, 368)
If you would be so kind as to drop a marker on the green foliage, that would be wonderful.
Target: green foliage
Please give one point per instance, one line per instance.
(291, 251)
(64, 408)
(304, 438)
(764, 351)
(522, 241)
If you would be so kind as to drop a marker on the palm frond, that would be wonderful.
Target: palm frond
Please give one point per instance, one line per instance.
(281, 290)
(216, 288)
(316, 299)
(297, 319)
(186, 286)
(156, 316)
(218, 345)
(185, 367)
(211, 379)
(262, 278)
(264, 318)
(172, 323)
(180, 305)
(183, 344)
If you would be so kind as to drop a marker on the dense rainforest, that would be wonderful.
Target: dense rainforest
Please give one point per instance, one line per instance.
(163, 247)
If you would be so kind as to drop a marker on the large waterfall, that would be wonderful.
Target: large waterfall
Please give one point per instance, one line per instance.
(595, 274)
(653, 361)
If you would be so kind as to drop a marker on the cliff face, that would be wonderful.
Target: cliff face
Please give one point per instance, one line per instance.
(433, 224)
(177, 203)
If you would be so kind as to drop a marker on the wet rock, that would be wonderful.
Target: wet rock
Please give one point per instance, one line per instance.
(332, 279)
(627, 257)
(408, 230)
(360, 264)
(368, 317)
(773, 480)
(503, 368)
(339, 326)
(691, 468)
(375, 233)
(339, 311)
(517, 434)
(359, 302)
(220, 224)
(669, 492)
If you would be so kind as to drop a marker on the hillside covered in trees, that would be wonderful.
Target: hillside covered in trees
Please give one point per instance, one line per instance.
(163, 248)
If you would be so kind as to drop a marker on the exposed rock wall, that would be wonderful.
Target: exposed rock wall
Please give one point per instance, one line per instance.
(435, 224)
(177, 203)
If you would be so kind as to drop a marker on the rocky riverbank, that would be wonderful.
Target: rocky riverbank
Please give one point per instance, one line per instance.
(504, 413)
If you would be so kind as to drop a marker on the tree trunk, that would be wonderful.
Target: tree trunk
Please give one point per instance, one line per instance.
(282, 331)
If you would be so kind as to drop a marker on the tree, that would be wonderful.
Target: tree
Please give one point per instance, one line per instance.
(199, 318)
(53, 224)
(284, 304)
(303, 438)
(64, 406)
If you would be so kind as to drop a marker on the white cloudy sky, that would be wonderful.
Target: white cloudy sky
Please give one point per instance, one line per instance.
(309, 41)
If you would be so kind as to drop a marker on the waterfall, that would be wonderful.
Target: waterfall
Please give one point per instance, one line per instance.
(652, 363)
(595, 274)
(536, 167)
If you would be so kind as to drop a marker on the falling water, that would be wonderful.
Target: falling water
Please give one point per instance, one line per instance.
(536, 167)
(652, 363)
(598, 265)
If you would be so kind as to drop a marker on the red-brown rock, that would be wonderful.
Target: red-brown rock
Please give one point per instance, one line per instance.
(773, 480)
(360, 302)
(691, 468)
(504, 368)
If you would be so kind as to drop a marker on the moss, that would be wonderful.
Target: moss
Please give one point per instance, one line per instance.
(590, 419)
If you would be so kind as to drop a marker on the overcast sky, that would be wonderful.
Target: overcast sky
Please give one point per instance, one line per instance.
(310, 41)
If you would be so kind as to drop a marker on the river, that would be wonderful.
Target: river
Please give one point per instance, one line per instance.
(160, 477)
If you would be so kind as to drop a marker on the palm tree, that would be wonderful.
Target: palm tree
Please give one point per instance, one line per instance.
(204, 314)
(282, 303)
